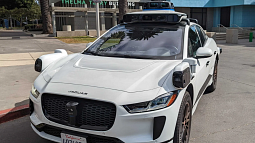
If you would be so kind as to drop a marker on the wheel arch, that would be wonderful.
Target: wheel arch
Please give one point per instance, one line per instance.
(190, 89)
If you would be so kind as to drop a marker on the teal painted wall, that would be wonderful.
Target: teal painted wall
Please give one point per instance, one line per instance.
(236, 15)
(216, 17)
(211, 3)
(248, 16)
(249, 2)
(243, 16)
(242, 11)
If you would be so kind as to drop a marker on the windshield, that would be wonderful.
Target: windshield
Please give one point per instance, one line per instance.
(148, 41)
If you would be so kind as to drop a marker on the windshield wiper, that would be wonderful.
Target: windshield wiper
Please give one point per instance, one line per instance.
(92, 53)
(128, 56)
(118, 55)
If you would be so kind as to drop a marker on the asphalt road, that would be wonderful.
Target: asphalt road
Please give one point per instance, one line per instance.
(17, 57)
(14, 33)
(224, 116)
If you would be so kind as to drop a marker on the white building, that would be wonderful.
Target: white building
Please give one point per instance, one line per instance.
(80, 15)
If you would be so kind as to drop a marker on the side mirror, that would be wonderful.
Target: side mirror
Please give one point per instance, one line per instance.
(204, 52)
(192, 63)
(89, 44)
(45, 60)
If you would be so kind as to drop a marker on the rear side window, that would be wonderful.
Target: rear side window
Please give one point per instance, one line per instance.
(201, 35)
(165, 5)
(194, 42)
(154, 4)
(159, 5)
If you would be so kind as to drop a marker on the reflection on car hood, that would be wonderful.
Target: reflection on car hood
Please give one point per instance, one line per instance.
(124, 74)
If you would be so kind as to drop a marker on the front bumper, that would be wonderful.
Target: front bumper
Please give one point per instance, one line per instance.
(128, 128)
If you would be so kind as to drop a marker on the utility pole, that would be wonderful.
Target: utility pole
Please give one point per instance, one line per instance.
(11, 21)
(97, 17)
(54, 22)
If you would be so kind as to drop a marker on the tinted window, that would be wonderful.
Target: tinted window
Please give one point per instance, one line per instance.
(163, 4)
(204, 34)
(194, 42)
(154, 41)
(201, 35)
(153, 4)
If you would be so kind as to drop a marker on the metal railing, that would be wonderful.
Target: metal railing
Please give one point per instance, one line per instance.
(220, 25)
(244, 31)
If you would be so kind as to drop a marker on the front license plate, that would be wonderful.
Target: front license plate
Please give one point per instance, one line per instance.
(66, 138)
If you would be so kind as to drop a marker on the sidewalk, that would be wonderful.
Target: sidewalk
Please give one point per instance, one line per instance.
(17, 57)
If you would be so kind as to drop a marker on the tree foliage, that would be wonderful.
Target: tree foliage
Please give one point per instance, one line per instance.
(25, 10)
(33, 12)
(12, 4)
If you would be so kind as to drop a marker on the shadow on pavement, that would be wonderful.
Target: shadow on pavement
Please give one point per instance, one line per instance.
(19, 131)
(25, 102)
(21, 109)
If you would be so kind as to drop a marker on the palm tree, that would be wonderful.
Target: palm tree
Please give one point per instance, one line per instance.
(122, 8)
(46, 18)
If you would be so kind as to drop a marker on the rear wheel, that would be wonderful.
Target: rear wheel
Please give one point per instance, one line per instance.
(212, 87)
(183, 124)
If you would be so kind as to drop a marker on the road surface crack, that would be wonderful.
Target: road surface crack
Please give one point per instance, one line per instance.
(225, 130)
(238, 82)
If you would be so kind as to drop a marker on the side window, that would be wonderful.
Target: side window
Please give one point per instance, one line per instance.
(201, 35)
(194, 42)
(204, 34)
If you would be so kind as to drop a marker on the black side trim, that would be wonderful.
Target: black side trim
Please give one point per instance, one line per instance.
(159, 123)
(167, 141)
(201, 91)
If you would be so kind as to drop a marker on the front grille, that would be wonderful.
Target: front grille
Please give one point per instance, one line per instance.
(91, 114)
(54, 131)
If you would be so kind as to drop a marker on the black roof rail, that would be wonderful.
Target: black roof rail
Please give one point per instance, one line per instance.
(193, 20)
(186, 20)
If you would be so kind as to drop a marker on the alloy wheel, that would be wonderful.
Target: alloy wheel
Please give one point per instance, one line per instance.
(185, 127)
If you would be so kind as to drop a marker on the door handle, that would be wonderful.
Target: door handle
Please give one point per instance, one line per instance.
(214, 52)
(207, 63)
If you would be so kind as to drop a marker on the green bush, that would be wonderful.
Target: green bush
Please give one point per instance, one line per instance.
(33, 27)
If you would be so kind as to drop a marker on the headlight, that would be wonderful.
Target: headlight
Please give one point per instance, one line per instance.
(160, 102)
(34, 92)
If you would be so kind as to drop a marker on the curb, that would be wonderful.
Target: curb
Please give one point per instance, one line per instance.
(42, 35)
(14, 113)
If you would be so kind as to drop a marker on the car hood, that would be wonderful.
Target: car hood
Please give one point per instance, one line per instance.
(123, 74)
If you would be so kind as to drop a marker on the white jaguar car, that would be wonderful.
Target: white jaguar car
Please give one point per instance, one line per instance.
(140, 82)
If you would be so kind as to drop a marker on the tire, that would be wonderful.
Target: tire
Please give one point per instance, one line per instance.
(183, 124)
(212, 87)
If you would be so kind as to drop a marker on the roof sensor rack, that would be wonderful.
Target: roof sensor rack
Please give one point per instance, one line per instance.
(158, 5)
(163, 17)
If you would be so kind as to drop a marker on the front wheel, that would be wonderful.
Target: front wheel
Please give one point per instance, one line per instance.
(183, 124)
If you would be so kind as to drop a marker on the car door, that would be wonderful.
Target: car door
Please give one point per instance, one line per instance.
(201, 78)
(203, 39)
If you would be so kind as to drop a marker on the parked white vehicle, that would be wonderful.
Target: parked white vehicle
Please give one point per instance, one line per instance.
(140, 82)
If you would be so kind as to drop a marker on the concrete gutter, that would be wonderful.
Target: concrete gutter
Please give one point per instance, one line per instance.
(14, 113)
